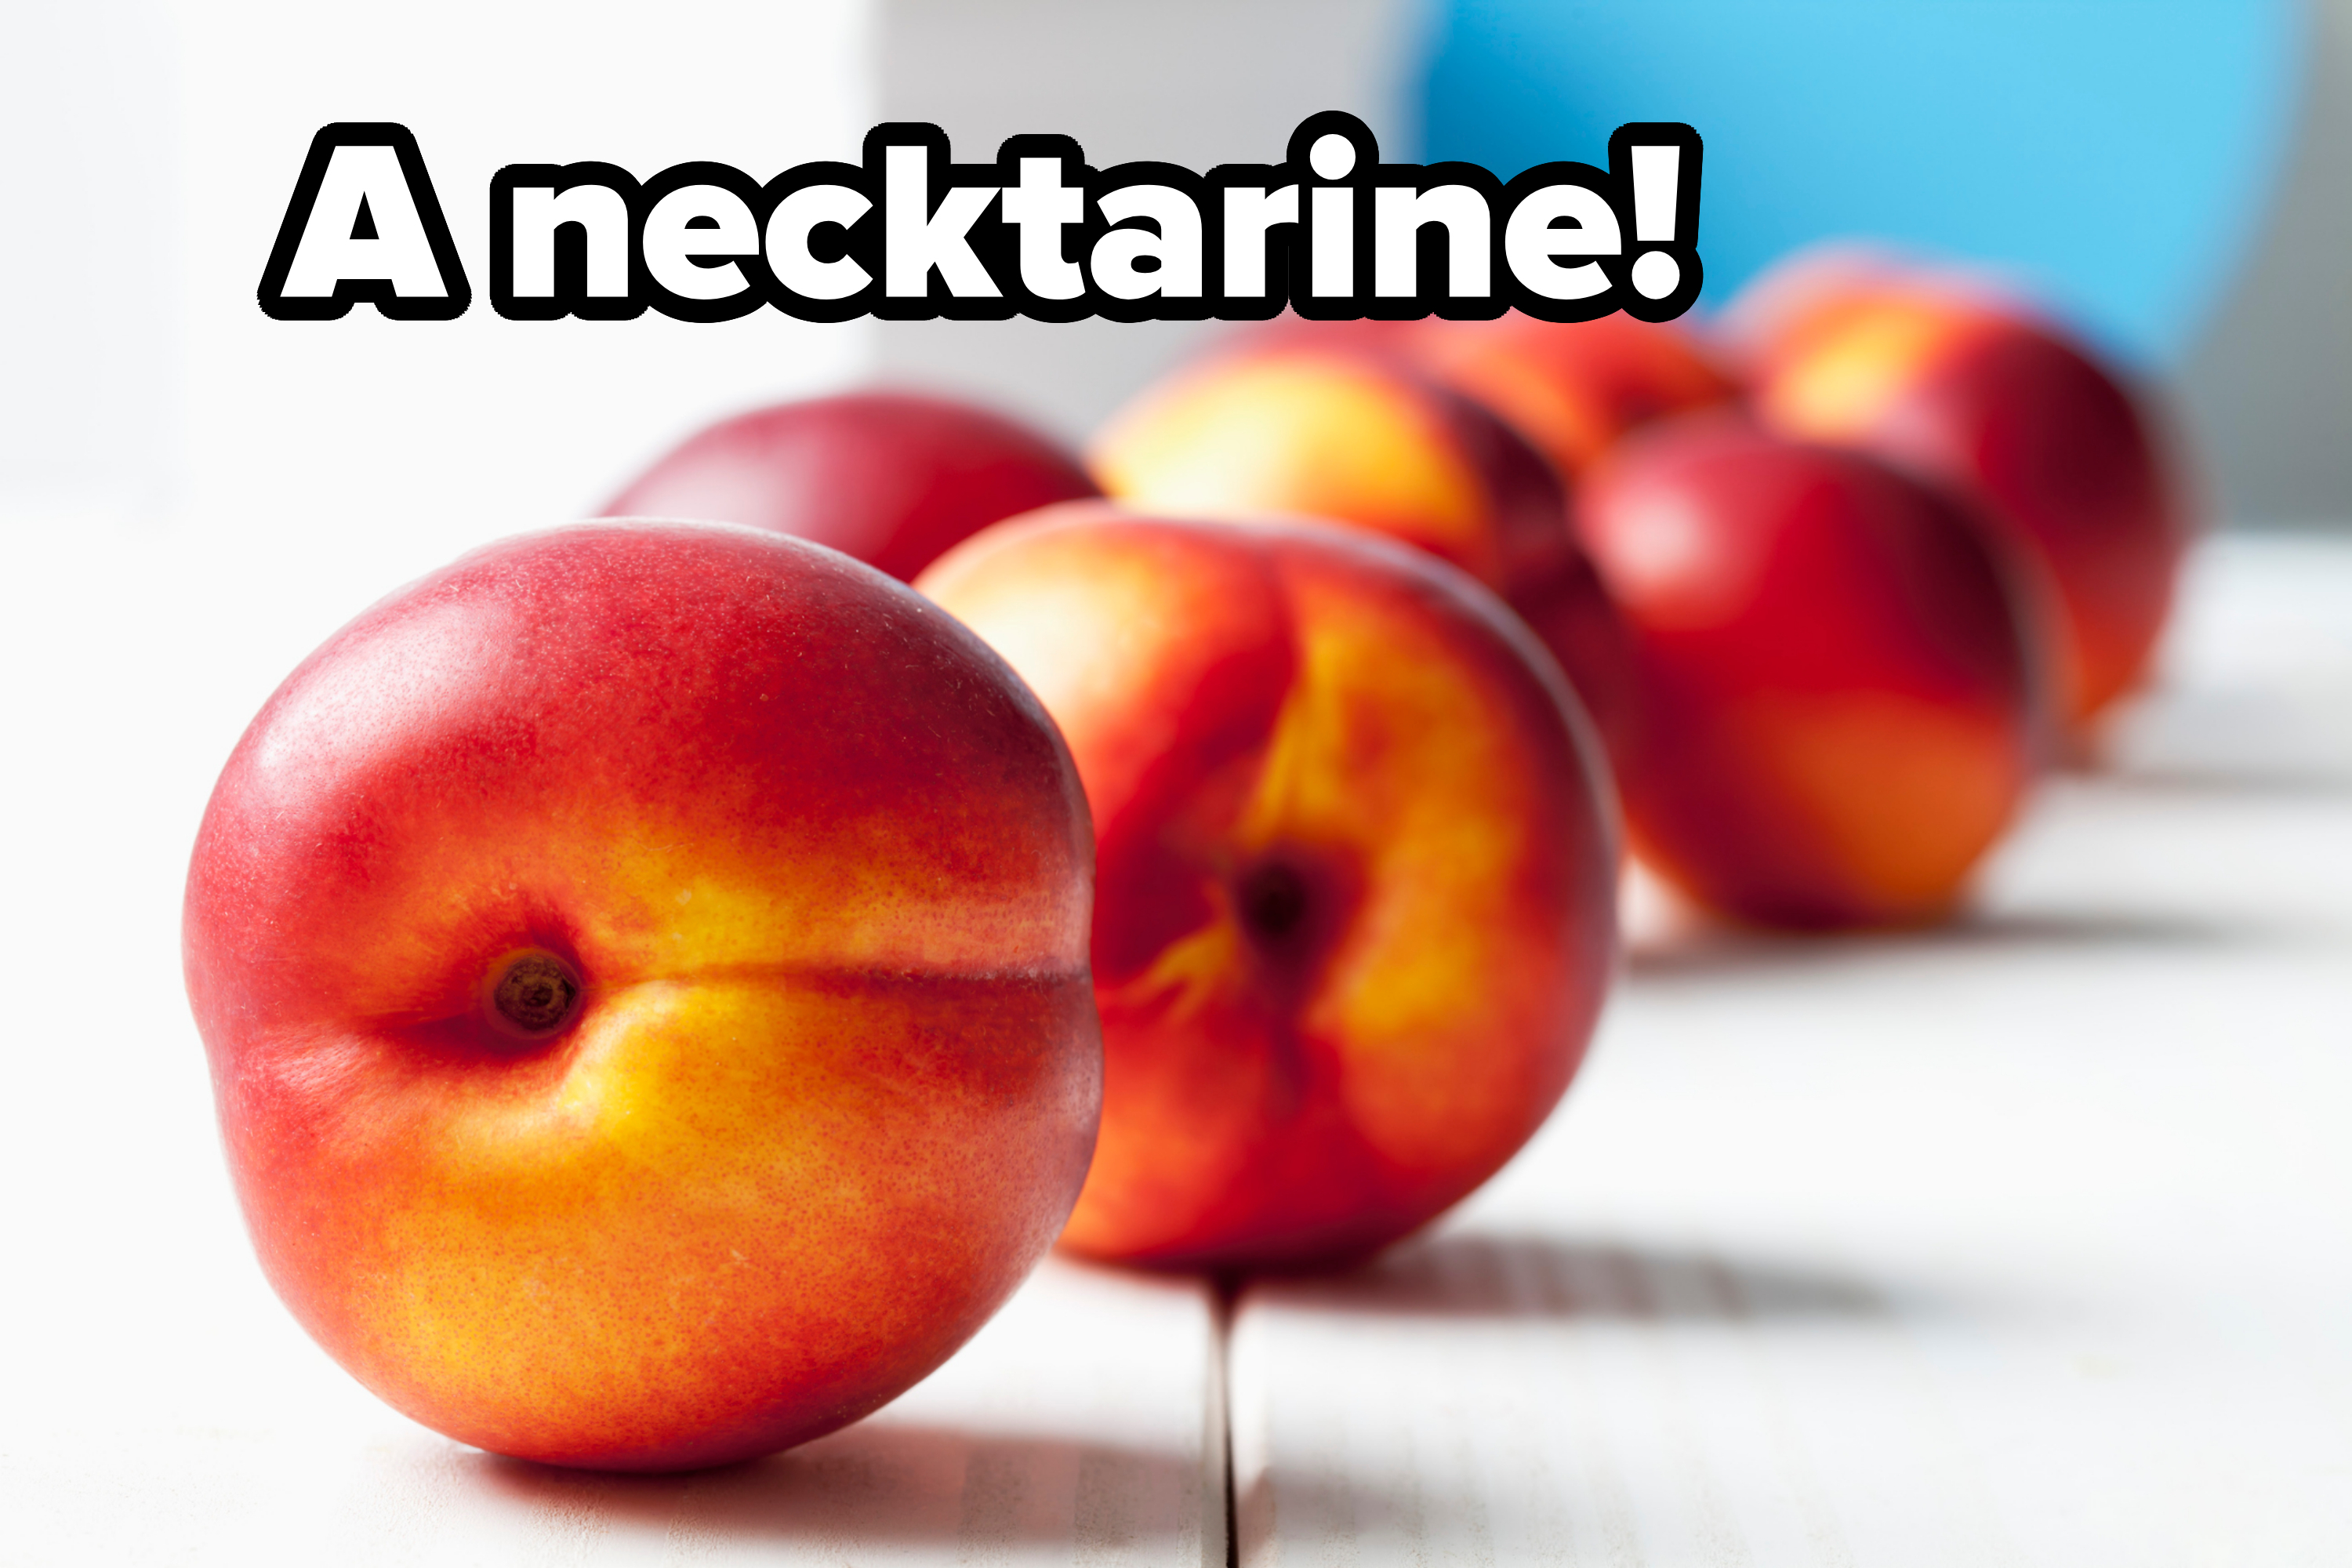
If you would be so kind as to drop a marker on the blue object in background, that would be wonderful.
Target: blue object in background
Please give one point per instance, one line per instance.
(2115, 153)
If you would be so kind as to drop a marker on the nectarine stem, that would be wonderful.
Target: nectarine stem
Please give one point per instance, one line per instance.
(536, 993)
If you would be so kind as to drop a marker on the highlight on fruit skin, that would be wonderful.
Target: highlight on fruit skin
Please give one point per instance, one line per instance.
(890, 478)
(643, 971)
(1946, 373)
(1355, 905)
(1841, 712)
(1314, 429)
(1331, 421)
(1571, 390)
(1574, 389)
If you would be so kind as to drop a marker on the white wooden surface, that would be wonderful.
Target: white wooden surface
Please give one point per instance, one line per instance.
(2026, 1242)
(1076, 1429)
(2029, 1242)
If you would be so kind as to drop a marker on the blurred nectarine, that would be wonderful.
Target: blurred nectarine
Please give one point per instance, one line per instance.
(890, 477)
(1319, 419)
(1838, 711)
(2047, 444)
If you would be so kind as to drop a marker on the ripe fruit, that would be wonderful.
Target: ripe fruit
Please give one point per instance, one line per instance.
(643, 969)
(1355, 891)
(1573, 389)
(1952, 381)
(1320, 421)
(1804, 289)
(1839, 715)
(1338, 434)
(890, 478)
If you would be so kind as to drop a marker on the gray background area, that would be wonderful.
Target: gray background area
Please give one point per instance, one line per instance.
(1130, 81)
(2267, 388)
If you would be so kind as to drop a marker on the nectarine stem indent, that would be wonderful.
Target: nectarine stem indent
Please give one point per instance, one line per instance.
(1273, 902)
(536, 993)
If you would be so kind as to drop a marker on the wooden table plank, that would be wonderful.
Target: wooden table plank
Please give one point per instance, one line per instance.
(2022, 1242)
(1075, 1428)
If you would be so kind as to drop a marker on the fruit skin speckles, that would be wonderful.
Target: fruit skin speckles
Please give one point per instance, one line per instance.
(800, 1133)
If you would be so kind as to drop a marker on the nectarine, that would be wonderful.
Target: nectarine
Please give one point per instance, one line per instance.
(2043, 442)
(890, 477)
(1355, 907)
(644, 972)
(1324, 420)
(1573, 389)
(1838, 712)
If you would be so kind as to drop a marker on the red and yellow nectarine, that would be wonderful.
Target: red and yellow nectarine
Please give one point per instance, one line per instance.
(644, 972)
(1333, 433)
(1573, 389)
(1839, 713)
(2044, 444)
(1355, 891)
(1321, 420)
